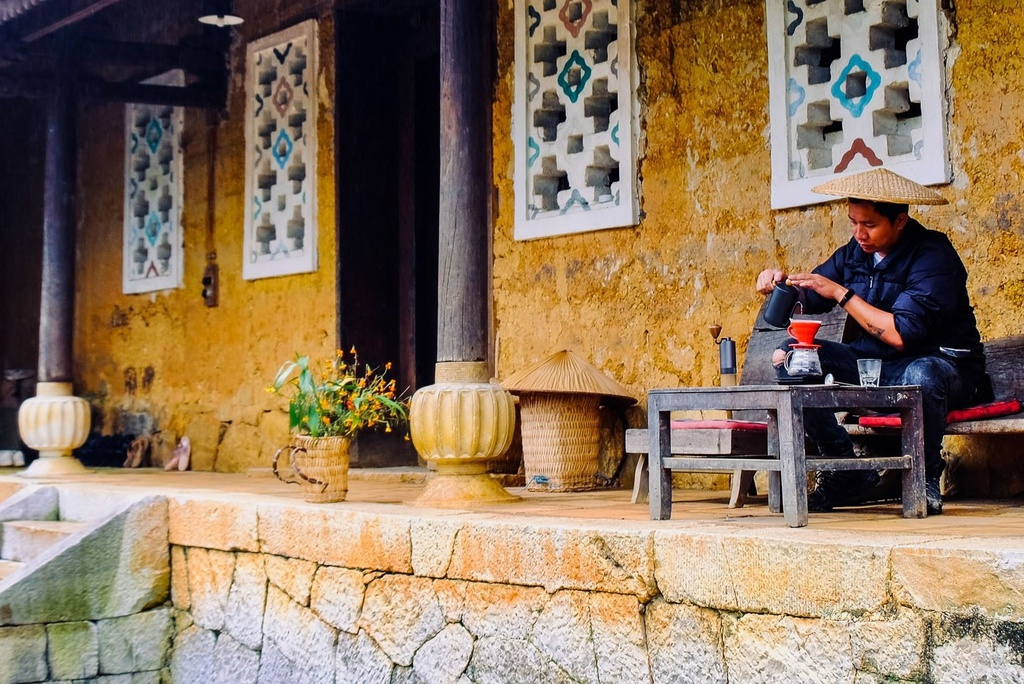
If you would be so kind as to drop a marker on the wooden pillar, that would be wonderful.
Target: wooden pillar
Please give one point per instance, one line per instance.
(464, 230)
(58, 277)
(460, 442)
(55, 422)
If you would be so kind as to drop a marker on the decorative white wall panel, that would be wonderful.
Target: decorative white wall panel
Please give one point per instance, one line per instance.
(152, 254)
(280, 170)
(573, 122)
(854, 84)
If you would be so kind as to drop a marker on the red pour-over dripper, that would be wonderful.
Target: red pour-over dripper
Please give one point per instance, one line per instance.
(804, 330)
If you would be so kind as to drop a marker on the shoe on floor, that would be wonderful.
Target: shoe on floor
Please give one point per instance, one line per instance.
(933, 495)
(817, 501)
(137, 452)
(184, 453)
(180, 456)
(840, 488)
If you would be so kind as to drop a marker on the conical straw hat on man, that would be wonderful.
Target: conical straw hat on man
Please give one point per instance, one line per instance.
(880, 185)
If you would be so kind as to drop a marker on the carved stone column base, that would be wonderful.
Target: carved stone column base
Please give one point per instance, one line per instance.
(459, 485)
(54, 465)
(459, 424)
(54, 423)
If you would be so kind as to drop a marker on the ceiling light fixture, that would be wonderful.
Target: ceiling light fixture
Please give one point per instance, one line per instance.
(221, 20)
(218, 13)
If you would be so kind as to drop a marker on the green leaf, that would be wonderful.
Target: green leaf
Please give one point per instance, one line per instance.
(315, 422)
(282, 374)
(306, 382)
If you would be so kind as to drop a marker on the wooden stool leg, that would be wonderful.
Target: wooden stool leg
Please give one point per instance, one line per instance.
(741, 480)
(915, 500)
(641, 484)
(774, 476)
(774, 491)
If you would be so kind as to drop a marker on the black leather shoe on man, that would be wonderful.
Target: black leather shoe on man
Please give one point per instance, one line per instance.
(840, 488)
(933, 495)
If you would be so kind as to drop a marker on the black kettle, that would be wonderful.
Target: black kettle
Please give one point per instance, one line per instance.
(782, 302)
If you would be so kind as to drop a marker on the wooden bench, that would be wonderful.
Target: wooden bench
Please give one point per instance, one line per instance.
(1004, 363)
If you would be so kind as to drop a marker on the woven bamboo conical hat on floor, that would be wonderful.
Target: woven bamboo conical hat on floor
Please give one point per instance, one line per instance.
(880, 185)
(567, 373)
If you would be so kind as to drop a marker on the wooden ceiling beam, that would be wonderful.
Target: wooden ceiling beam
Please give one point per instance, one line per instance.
(26, 86)
(200, 95)
(203, 56)
(147, 56)
(152, 56)
(50, 17)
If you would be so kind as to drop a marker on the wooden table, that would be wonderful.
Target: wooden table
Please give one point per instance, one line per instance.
(786, 461)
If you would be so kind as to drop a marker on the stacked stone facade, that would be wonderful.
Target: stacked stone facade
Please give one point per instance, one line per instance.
(236, 587)
(332, 595)
(128, 650)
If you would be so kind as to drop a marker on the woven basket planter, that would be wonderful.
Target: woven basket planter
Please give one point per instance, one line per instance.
(319, 465)
(560, 441)
(558, 401)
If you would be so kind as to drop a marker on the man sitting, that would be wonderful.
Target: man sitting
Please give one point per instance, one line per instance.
(906, 288)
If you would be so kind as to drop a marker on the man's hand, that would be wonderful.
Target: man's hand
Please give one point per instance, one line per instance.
(876, 322)
(767, 278)
(828, 289)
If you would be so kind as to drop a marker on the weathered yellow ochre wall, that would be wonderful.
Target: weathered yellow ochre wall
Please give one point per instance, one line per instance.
(209, 367)
(638, 301)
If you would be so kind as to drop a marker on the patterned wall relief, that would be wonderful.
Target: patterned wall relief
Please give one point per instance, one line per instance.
(280, 171)
(854, 84)
(573, 122)
(152, 258)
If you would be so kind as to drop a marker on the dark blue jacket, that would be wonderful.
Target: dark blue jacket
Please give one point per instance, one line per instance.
(922, 282)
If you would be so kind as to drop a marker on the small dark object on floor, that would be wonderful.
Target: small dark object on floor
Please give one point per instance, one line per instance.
(933, 495)
(138, 452)
(841, 488)
(104, 451)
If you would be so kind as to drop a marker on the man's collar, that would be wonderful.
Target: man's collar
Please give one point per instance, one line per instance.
(908, 236)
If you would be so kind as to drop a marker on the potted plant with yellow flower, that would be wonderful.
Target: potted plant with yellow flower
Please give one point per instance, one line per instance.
(329, 402)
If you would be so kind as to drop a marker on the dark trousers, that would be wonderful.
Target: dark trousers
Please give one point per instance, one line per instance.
(943, 387)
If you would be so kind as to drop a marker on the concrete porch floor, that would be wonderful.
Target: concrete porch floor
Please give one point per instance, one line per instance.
(394, 490)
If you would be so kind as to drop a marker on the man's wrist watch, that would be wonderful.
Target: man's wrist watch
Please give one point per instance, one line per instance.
(846, 297)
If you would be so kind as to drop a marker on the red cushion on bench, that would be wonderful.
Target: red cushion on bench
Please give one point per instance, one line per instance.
(719, 425)
(992, 410)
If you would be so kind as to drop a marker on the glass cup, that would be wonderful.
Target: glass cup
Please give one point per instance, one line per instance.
(869, 370)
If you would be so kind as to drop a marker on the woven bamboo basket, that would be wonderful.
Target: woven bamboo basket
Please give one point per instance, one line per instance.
(560, 441)
(319, 465)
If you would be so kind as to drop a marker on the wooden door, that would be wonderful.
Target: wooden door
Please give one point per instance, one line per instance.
(387, 132)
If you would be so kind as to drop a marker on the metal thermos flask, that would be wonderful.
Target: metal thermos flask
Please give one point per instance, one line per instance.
(727, 361)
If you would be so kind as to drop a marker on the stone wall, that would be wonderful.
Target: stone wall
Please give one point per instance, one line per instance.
(126, 650)
(270, 590)
(295, 592)
(92, 605)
